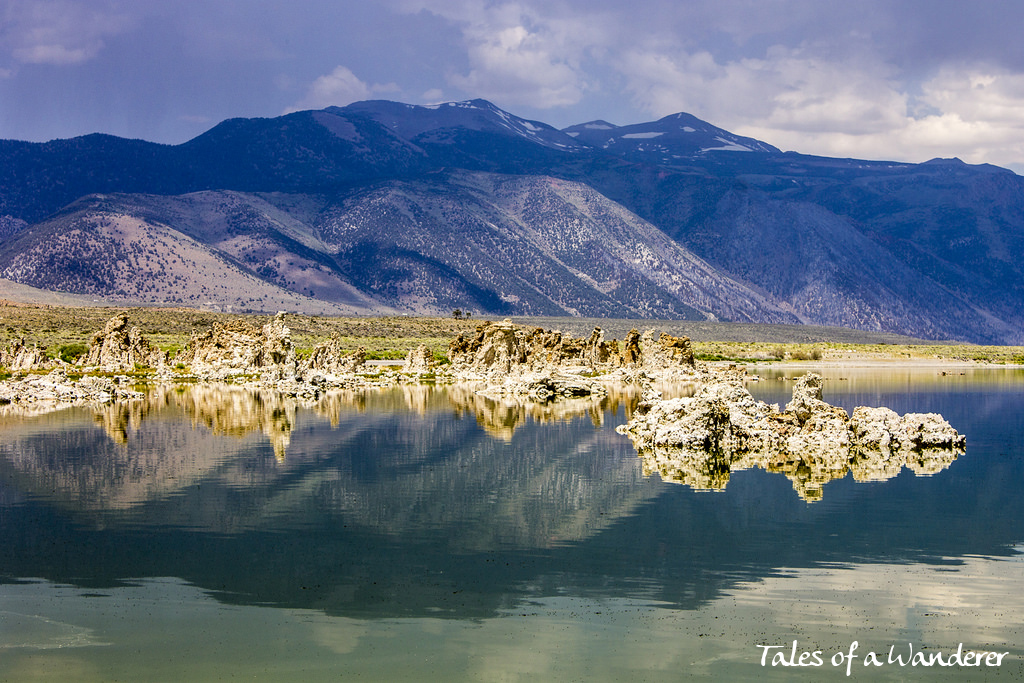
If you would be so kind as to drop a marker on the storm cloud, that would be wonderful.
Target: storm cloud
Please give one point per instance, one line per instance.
(904, 80)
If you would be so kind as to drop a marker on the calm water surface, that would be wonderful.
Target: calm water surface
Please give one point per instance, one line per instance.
(431, 534)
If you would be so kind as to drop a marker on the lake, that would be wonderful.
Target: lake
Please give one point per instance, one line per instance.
(215, 533)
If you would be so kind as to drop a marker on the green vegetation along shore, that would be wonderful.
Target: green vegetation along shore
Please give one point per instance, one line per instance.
(67, 331)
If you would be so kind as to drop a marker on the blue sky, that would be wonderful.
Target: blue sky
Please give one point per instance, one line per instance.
(906, 80)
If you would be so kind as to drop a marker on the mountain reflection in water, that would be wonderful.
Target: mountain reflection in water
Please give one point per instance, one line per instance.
(441, 502)
(151, 456)
(176, 441)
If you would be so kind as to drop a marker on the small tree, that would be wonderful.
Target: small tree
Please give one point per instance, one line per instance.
(69, 353)
(457, 314)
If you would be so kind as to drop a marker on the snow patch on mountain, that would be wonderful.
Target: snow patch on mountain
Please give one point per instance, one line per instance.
(728, 146)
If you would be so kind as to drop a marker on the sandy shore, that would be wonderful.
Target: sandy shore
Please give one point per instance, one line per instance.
(872, 363)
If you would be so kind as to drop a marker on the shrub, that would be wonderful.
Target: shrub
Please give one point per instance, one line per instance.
(812, 354)
(69, 353)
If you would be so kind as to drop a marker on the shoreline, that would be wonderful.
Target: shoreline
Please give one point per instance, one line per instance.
(384, 343)
(875, 363)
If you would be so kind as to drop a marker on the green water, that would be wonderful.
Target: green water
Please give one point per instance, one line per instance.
(432, 534)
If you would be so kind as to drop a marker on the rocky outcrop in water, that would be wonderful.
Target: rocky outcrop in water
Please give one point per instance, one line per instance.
(118, 348)
(502, 349)
(668, 358)
(330, 359)
(41, 393)
(20, 357)
(420, 361)
(236, 352)
(700, 440)
(232, 349)
(541, 364)
(531, 363)
(510, 360)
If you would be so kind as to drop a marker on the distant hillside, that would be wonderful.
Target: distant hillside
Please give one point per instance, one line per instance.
(383, 206)
(673, 140)
(523, 245)
(101, 248)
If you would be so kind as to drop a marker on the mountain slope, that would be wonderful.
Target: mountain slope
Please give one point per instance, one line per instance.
(437, 122)
(926, 249)
(382, 204)
(543, 246)
(675, 139)
(114, 250)
(477, 241)
(829, 272)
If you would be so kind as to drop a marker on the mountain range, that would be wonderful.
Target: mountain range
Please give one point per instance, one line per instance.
(384, 207)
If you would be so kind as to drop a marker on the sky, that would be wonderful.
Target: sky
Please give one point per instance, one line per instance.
(903, 80)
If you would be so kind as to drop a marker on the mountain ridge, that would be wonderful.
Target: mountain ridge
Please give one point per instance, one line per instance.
(739, 229)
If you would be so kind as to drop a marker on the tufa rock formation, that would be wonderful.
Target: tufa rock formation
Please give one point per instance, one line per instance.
(116, 348)
(668, 354)
(19, 357)
(420, 361)
(700, 440)
(42, 393)
(501, 349)
(237, 348)
(278, 356)
(328, 358)
(504, 353)
(531, 363)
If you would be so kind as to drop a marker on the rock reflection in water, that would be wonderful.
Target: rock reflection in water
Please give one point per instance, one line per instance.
(501, 416)
(225, 410)
(399, 462)
(234, 411)
(700, 440)
(710, 471)
(152, 447)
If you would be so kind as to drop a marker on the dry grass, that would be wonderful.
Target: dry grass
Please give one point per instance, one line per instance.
(831, 351)
(52, 327)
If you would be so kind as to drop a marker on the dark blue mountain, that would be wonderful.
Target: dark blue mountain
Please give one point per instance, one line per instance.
(679, 139)
(929, 249)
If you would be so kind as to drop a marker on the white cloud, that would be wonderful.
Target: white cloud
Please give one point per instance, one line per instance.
(433, 96)
(338, 88)
(521, 55)
(797, 100)
(58, 32)
(785, 90)
(836, 82)
(834, 91)
(513, 65)
(970, 113)
(977, 93)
